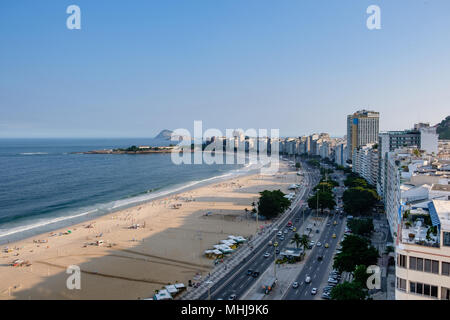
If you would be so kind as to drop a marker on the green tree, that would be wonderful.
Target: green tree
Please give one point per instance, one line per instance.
(272, 203)
(298, 165)
(296, 239)
(356, 251)
(304, 241)
(326, 200)
(348, 291)
(360, 275)
(361, 227)
(359, 200)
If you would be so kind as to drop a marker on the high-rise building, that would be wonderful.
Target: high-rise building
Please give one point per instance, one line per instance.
(362, 129)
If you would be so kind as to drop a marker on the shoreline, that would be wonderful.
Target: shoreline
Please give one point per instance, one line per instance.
(97, 211)
(145, 246)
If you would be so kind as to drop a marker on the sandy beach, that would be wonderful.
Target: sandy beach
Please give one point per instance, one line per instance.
(133, 262)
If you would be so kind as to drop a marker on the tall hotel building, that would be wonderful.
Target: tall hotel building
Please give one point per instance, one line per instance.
(362, 129)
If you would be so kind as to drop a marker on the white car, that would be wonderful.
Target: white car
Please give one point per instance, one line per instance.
(318, 244)
(308, 279)
(295, 285)
(313, 291)
(279, 233)
(266, 255)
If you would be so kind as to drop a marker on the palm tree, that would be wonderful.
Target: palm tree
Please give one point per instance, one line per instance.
(296, 239)
(304, 241)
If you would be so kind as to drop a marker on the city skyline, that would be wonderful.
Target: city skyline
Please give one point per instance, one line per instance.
(132, 71)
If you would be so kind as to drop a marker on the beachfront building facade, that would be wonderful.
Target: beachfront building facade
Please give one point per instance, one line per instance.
(365, 162)
(423, 252)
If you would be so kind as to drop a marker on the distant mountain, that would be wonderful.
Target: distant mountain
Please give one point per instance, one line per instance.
(164, 134)
(443, 129)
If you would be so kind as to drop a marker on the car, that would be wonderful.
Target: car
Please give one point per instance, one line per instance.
(319, 258)
(295, 285)
(335, 222)
(270, 243)
(334, 236)
(312, 243)
(266, 255)
(282, 238)
(308, 279)
(249, 272)
(232, 297)
(255, 274)
(318, 244)
(317, 231)
(327, 245)
(294, 229)
(313, 291)
(328, 224)
(332, 281)
(277, 251)
(286, 231)
(275, 244)
(326, 296)
(279, 233)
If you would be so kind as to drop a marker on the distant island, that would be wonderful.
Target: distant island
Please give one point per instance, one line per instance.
(132, 150)
(164, 134)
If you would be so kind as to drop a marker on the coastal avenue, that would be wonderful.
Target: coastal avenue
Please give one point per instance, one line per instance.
(238, 281)
(314, 268)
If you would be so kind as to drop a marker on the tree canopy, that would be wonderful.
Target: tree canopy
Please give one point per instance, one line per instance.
(359, 200)
(361, 227)
(272, 203)
(356, 251)
(348, 291)
(326, 200)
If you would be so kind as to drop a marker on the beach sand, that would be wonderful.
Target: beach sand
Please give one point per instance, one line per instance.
(132, 263)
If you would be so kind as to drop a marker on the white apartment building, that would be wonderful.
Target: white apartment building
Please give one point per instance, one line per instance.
(423, 252)
(365, 163)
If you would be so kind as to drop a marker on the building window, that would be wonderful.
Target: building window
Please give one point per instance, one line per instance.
(401, 284)
(412, 287)
(445, 293)
(401, 260)
(413, 263)
(427, 265)
(445, 268)
(419, 264)
(435, 267)
(446, 239)
(419, 288)
(424, 289)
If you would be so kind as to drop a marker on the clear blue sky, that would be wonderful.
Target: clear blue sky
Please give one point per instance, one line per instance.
(137, 67)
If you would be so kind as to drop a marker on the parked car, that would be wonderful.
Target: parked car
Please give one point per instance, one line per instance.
(282, 238)
(255, 274)
(295, 285)
(318, 244)
(313, 291)
(279, 233)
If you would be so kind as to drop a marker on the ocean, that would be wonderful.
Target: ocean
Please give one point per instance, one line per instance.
(43, 186)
